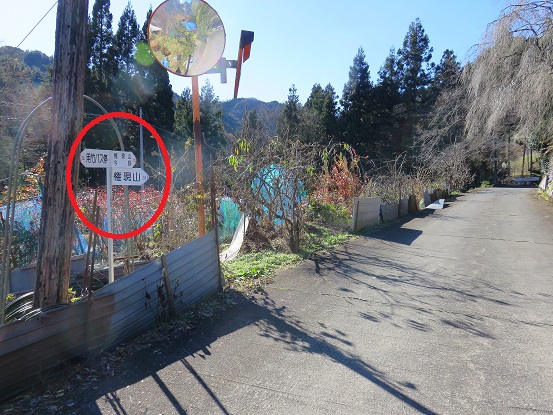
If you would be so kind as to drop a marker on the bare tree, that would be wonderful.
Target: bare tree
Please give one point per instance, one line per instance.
(444, 153)
(510, 84)
(269, 178)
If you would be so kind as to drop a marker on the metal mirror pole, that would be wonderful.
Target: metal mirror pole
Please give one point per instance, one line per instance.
(198, 153)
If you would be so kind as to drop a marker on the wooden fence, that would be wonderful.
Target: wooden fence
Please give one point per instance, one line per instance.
(115, 313)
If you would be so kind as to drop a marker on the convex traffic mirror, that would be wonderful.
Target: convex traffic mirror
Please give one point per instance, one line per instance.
(187, 37)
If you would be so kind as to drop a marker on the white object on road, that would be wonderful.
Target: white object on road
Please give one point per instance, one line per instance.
(438, 204)
(237, 240)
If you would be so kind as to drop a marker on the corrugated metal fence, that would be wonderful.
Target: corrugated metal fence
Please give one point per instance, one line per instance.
(117, 312)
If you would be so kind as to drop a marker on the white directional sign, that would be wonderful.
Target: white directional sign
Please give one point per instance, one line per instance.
(123, 159)
(119, 171)
(126, 177)
(94, 158)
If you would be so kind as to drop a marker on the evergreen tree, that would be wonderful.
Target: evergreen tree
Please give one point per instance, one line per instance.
(123, 51)
(387, 105)
(152, 85)
(99, 82)
(415, 76)
(251, 120)
(288, 124)
(126, 38)
(126, 90)
(320, 114)
(251, 130)
(101, 68)
(312, 130)
(414, 66)
(123, 93)
(389, 81)
(183, 116)
(448, 71)
(211, 121)
(357, 103)
(184, 134)
(316, 99)
(329, 112)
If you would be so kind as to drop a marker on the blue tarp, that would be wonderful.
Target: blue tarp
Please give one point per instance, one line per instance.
(267, 181)
(27, 216)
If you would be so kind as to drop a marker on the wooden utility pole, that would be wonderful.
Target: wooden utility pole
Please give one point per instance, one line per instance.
(56, 227)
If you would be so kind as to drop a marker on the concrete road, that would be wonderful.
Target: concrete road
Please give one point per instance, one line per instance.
(449, 312)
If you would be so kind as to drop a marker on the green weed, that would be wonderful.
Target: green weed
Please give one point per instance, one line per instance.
(320, 239)
(249, 272)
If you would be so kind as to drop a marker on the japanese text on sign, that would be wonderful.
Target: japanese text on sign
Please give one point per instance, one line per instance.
(135, 176)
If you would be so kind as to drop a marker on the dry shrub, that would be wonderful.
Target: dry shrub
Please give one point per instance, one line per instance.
(340, 179)
(268, 178)
(394, 184)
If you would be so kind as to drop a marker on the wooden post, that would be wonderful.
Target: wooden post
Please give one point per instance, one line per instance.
(167, 280)
(57, 219)
(91, 275)
(86, 273)
(355, 214)
(198, 154)
(215, 225)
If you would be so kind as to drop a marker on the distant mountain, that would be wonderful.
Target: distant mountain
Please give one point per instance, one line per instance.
(38, 62)
(234, 109)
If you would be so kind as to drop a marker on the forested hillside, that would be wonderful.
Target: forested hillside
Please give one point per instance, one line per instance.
(234, 109)
(24, 82)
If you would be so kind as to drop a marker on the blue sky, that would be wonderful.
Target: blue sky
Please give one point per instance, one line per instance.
(296, 42)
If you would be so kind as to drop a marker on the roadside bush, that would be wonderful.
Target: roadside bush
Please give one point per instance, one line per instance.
(340, 178)
(176, 225)
(328, 213)
(26, 229)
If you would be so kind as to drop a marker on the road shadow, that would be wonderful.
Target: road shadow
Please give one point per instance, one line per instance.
(396, 281)
(397, 235)
(271, 322)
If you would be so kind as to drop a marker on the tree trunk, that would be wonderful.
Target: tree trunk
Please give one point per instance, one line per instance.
(523, 157)
(56, 227)
(509, 155)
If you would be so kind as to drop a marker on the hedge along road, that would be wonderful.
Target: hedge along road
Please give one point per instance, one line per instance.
(449, 311)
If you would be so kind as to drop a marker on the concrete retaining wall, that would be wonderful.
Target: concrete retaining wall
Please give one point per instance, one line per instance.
(366, 212)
